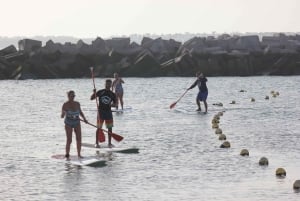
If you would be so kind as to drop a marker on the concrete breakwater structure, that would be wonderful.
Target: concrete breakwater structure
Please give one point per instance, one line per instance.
(224, 55)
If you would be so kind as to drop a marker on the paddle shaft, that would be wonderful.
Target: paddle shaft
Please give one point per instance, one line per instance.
(92, 72)
(114, 135)
(173, 104)
(101, 138)
(182, 96)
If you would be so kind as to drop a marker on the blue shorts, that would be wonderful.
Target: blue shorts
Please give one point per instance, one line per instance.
(202, 96)
(105, 116)
(73, 123)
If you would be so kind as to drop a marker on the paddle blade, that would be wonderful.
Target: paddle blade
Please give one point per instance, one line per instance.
(101, 136)
(172, 105)
(116, 137)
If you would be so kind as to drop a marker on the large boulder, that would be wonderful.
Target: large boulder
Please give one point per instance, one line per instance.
(8, 50)
(145, 65)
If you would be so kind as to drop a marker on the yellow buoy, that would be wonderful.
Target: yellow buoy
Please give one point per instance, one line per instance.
(280, 172)
(263, 161)
(222, 137)
(244, 152)
(215, 121)
(217, 117)
(218, 131)
(232, 102)
(225, 144)
(297, 184)
(215, 125)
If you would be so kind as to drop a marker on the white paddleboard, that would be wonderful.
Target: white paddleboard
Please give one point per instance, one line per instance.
(189, 111)
(125, 109)
(85, 161)
(125, 150)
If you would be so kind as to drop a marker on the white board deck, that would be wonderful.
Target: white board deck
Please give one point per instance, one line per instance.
(125, 150)
(85, 161)
(125, 109)
(189, 111)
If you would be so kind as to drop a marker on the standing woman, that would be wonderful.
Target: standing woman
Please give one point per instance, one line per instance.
(71, 111)
(118, 89)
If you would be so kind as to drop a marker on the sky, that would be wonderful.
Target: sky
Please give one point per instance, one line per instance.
(104, 18)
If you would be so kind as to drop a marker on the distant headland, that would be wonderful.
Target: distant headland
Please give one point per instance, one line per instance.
(222, 55)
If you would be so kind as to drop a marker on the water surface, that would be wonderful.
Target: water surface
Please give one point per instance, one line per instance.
(179, 157)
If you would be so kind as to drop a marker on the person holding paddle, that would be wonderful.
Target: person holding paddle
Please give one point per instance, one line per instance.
(107, 99)
(118, 89)
(71, 111)
(203, 91)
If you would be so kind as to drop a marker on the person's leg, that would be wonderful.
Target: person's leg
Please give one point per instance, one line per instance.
(78, 140)
(118, 97)
(199, 106)
(109, 124)
(205, 94)
(205, 104)
(99, 125)
(121, 100)
(198, 102)
(109, 137)
(69, 140)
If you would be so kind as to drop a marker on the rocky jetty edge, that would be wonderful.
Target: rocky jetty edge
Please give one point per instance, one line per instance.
(225, 55)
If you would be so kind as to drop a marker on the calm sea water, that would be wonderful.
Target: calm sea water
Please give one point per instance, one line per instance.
(179, 157)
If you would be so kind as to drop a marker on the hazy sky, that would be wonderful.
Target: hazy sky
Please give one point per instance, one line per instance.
(91, 18)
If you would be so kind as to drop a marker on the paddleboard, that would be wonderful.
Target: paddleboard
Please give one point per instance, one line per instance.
(189, 111)
(85, 161)
(125, 109)
(126, 150)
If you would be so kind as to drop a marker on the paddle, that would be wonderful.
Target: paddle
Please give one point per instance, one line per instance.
(99, 133)
(173, 104)
(113, 135)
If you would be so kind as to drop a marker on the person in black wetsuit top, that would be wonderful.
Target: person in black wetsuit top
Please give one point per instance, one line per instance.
(203, 91)
(107, 99)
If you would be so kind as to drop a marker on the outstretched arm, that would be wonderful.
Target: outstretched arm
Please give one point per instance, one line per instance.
(193, 85)
(63, 111)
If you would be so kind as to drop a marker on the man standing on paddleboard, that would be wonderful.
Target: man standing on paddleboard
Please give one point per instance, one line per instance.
(203, 91)
(107, 99)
